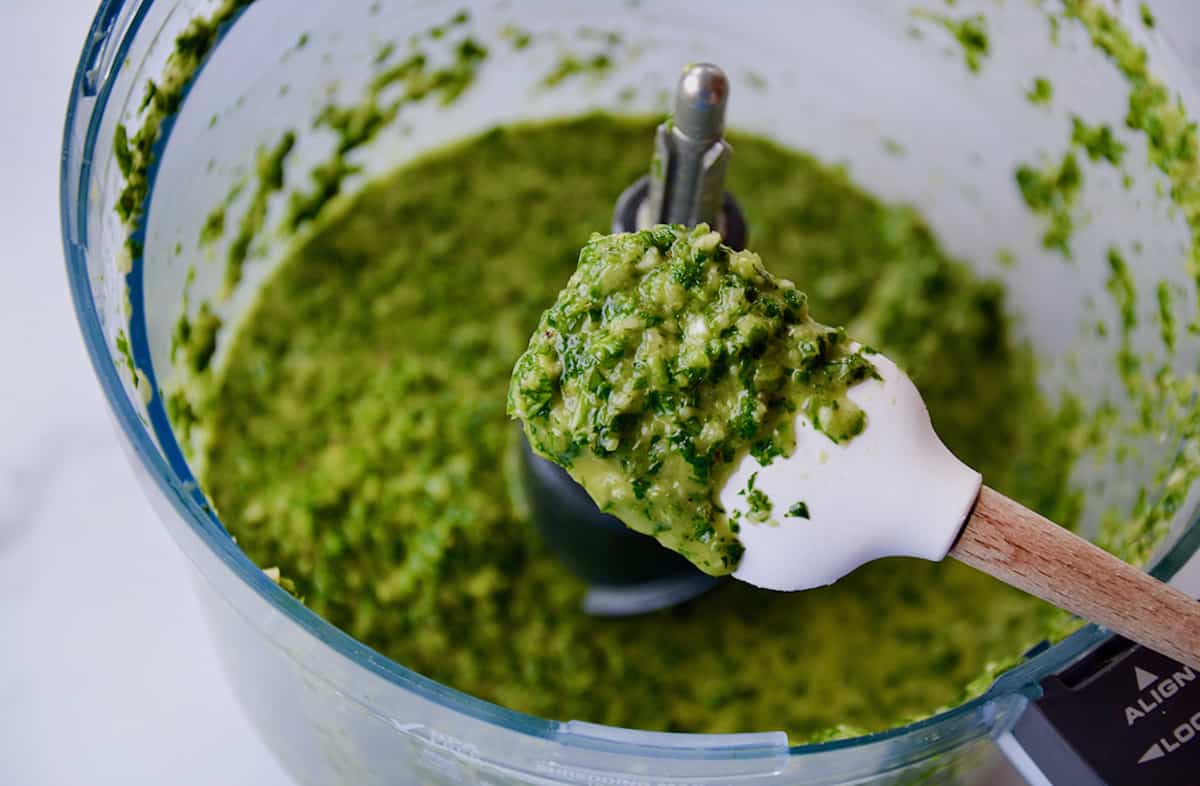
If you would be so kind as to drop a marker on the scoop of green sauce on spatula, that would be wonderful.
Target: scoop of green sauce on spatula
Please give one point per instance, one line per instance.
(692, 395)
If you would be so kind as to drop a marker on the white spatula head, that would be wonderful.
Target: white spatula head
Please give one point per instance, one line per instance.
(893, 490)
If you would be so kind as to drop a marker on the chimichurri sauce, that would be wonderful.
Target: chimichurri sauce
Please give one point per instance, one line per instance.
(666, 358)
(358, 441)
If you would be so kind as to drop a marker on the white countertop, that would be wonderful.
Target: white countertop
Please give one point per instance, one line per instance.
(106, 675)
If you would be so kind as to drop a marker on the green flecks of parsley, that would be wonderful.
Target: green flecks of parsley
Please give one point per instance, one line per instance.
(1041, 92)
(799, 511)
(1099, 142)
(1051, 192)
(759, 510)
(970, 32)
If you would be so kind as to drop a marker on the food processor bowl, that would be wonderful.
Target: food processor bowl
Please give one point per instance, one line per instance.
(900, 93)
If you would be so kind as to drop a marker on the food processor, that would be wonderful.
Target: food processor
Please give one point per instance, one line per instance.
(915, 100)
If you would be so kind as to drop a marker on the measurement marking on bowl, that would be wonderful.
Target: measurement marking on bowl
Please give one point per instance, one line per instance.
(440, 739)
(602, 779)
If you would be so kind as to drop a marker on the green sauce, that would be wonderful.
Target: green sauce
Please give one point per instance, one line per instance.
(1098, 142)
(358, 432)
(1052, 192)
(358, 441)
(1146, 14)
(666, 358)
(970, 32)
(1041, 92)
(269, 172)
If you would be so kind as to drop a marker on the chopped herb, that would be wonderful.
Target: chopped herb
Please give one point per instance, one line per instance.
(123, 154)
(570, 66)
(970, 32)
(385, 51)
(759, 511)
(148, 96)
(1098, 142)
(269, 172)
(198, 337)
(127, 355)
(1051, 192)
(1041, 92)
(1147, 15)
(517, 36)
(799, 511)
(1166, 315)
(214, 225)
(183, 419)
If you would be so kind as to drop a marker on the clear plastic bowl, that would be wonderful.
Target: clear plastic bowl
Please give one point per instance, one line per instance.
(829, 78)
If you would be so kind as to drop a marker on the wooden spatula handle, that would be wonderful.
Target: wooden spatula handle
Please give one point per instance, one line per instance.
(1016, 545)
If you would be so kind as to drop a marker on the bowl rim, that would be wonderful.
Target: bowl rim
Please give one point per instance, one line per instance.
(84, 113)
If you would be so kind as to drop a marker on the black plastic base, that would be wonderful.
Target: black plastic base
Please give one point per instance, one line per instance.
(593, 545)
(1122, 716)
